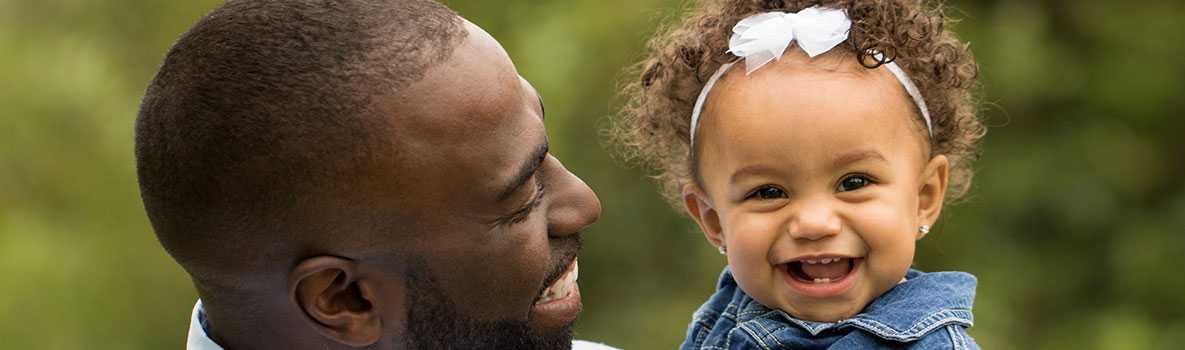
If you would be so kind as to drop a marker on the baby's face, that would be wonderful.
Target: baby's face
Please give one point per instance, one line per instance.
(816, 179)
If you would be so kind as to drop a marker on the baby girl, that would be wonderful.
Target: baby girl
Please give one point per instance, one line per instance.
(814, 142)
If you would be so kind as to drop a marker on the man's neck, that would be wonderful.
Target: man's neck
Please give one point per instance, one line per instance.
(251, 330)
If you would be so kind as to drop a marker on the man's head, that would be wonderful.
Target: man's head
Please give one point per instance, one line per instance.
(365, 173)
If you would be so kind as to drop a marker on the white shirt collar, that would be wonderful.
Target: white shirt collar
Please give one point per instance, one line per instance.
(198, 340)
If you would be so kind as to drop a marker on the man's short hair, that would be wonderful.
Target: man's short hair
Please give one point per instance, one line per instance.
(266, 105)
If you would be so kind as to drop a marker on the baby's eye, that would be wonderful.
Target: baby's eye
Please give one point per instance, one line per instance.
(766, 193)
(853, 182)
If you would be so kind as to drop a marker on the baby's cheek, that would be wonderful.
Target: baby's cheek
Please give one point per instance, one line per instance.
(886, 228)
(751, 235)
(749, 239)
(883, 223)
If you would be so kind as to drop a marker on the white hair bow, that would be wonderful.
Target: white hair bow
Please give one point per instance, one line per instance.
(763, 37)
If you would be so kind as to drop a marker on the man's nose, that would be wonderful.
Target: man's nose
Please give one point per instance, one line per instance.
(815, 221)
(574, 206)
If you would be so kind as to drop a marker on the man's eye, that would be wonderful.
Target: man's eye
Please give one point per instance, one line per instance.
(767, 193)
(525, 211)
(852, 183)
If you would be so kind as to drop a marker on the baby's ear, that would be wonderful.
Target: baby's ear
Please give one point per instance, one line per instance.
(699, 208)
(933, 190)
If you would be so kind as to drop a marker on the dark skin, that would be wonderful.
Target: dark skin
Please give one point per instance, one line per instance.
(475, 202)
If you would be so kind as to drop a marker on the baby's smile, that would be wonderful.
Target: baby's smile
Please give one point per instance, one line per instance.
(822, 270)
(821, 276)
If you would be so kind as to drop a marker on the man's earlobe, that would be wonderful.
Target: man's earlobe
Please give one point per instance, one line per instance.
(330, 293)
(698, 207)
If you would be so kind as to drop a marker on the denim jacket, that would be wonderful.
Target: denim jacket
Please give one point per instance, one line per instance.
(928, 311)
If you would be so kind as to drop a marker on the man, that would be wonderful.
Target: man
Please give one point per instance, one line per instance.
(359, 174)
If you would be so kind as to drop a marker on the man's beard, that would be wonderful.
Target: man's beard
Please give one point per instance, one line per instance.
(435, 323)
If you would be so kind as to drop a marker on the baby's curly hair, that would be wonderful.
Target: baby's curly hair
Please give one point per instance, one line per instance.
(652, 127)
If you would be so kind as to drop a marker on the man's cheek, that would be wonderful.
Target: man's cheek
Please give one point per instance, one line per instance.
(500, 282)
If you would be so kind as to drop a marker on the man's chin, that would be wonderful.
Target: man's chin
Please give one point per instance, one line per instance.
(489, 335)
(435, 323)
(556, 339)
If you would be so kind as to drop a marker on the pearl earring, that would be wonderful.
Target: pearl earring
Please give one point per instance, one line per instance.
(925, 229)
(722, 250)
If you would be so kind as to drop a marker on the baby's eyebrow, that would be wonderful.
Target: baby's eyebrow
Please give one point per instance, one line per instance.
(751, 170)
(857, 156)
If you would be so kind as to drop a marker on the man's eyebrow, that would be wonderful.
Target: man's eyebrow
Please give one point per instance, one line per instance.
(525, 171)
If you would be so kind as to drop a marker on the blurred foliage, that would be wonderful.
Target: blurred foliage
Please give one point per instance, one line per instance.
(1073, 228)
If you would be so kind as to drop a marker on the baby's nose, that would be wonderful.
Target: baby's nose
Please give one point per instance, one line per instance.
(815, 223)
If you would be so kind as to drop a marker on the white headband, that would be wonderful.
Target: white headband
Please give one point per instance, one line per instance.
(763, 37)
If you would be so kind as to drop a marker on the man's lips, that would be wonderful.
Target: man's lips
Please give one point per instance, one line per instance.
(557, 272)
(559, 304)
(561, 287)
(569, 253)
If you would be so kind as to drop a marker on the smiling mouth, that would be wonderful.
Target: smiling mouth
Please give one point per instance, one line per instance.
(821, 277)
(821, 270)
(562, 287)
(558, 305)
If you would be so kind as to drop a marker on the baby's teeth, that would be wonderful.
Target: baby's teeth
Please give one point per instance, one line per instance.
(822, 280)
(822, 261)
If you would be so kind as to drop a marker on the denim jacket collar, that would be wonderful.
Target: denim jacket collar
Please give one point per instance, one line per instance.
(923, 303)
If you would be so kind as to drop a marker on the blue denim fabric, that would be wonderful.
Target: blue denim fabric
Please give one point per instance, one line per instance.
(928, 311)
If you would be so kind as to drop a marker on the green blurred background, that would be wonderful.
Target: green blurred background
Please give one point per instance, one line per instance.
(1074, 226)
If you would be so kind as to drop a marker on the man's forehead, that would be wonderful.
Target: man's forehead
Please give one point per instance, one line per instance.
(472, 118)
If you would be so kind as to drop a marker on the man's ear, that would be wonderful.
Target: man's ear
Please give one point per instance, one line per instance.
(695, 200)
(933, 191)
(330, 292)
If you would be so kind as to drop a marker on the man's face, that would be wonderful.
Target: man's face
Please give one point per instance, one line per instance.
(496, 218)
